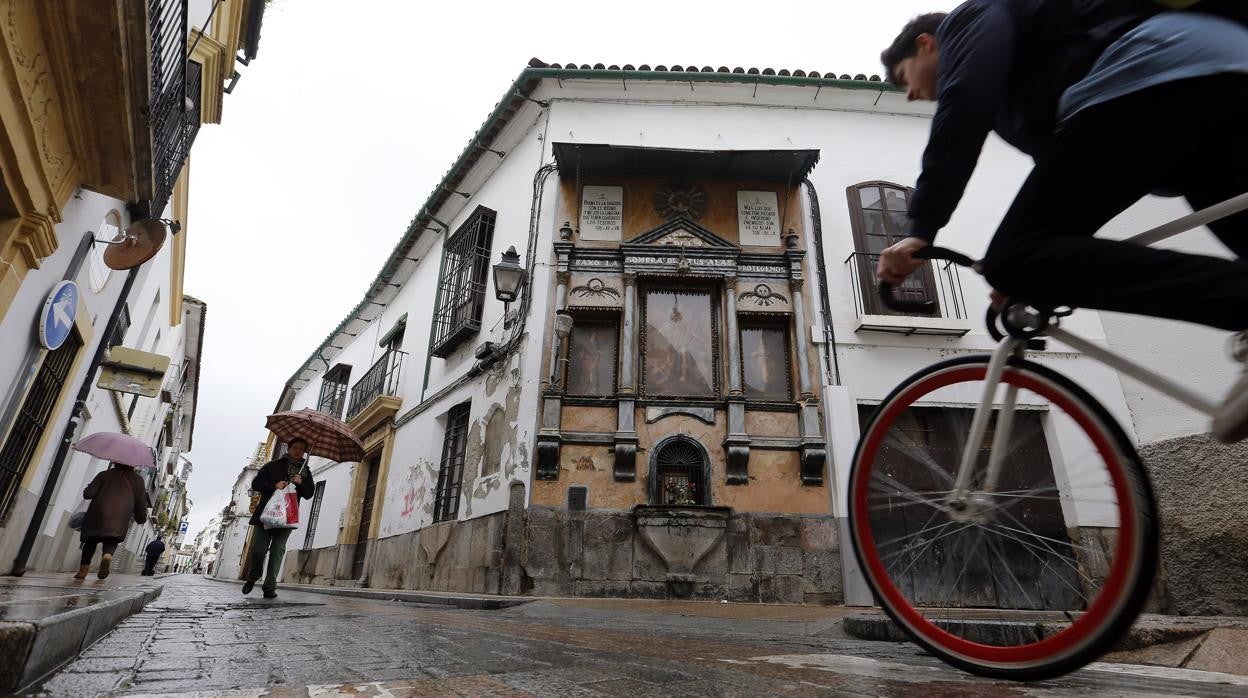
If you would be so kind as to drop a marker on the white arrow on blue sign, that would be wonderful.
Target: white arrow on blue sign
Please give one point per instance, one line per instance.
(57, 319)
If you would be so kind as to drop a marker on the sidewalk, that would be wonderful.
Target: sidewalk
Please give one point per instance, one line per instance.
(1190, 642)
(46, 619)
(1207, 643)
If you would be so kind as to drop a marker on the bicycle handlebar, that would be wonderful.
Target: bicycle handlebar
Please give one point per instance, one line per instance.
(933, 253)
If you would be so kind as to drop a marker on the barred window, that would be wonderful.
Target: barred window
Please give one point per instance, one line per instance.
(451, 473)
(334, 390)
(461, 289)
(310, 536)
(34, 416)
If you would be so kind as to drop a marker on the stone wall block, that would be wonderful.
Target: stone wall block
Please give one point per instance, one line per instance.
(818, 533)
(775, 530)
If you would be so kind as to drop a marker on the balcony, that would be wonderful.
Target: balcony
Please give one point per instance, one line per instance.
(935, 281)
(374, 396)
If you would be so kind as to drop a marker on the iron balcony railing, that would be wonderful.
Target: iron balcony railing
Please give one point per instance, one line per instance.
(939, 282)
(381, 379)
(175, 83)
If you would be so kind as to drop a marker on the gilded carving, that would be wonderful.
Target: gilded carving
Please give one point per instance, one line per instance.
(595, 288)
(762, 295)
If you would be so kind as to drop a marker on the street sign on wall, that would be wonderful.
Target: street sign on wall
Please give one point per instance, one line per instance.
(56, 320)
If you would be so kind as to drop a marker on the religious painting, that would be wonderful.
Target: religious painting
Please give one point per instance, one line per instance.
(679, 350)
(764, 368)
(591, 359)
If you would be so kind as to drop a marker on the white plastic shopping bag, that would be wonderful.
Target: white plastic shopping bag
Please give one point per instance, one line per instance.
(282, 511)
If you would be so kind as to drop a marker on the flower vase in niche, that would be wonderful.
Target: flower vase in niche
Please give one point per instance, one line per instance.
(681, 493)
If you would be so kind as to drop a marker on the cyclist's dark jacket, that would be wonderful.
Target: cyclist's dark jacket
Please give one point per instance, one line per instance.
(1003, 67)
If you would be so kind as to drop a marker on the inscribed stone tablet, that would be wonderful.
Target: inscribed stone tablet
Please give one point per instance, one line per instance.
(758, 216)
(602, 213)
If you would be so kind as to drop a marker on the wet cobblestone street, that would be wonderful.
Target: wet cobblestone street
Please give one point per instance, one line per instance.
(204, 637)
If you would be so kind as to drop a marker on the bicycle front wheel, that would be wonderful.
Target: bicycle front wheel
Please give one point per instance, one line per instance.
(1027, 577)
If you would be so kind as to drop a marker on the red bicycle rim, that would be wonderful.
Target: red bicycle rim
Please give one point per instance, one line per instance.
(1116, 588)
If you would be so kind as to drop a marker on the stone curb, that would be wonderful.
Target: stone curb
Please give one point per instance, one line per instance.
(43, 646)
(471, 603)
(881, 628)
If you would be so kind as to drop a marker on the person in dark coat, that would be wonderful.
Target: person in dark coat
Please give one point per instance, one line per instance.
(154, 551)
(117, 497)
(291, 468)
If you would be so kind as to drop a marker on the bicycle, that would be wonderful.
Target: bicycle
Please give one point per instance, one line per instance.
(1053, 564)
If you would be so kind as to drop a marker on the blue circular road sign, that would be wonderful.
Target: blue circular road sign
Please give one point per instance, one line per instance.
(57, 319)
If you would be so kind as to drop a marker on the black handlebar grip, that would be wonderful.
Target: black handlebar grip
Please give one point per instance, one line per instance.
(930, 252)
(893, 303)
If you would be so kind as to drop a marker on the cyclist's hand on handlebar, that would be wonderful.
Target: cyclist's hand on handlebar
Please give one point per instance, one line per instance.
(898, 262)
(997, 299)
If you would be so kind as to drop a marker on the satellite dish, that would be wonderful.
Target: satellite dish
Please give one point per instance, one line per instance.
(139, 243)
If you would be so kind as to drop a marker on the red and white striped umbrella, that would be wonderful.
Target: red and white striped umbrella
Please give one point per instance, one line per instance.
(327, 436)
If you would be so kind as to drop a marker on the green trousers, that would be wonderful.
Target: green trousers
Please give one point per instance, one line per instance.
(273, 543)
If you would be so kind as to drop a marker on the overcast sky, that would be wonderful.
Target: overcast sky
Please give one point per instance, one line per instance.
(351, 114)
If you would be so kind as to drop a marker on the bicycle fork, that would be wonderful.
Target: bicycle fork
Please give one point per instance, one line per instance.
(959, 502)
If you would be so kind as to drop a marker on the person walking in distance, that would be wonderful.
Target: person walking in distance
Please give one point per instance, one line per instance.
(154, 551)
(273, 477)
(117, 495)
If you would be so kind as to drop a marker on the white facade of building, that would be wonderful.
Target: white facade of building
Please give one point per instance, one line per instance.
(862, 134)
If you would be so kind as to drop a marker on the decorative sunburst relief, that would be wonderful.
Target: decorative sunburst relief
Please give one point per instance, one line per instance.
(675, 199)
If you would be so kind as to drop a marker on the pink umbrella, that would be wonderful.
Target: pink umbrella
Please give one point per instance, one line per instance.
(118, 448)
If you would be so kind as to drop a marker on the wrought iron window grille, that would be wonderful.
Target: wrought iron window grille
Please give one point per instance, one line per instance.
(175, 98)
(333, 396)
(381, 379)
(315, 514)
(461, 286)
(451, 470)
(33, 418)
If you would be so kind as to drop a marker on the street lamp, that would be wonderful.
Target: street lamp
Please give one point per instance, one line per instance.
(508, 276)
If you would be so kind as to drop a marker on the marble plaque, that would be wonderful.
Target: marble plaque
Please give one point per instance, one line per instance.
(758, 217)
(602, 213)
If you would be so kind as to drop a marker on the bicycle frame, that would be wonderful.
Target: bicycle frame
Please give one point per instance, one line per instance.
(1011, 346)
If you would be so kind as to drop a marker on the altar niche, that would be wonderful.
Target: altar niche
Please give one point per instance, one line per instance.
(680, 330)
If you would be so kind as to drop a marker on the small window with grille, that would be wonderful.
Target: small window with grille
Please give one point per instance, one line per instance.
(310, 536)
(461, 288)
(451, 472)
(119, 330)
(334, 390)
(678, 474)
(33, 417)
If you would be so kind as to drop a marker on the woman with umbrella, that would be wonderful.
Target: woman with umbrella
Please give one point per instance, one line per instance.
(117, 496)
(304, 432)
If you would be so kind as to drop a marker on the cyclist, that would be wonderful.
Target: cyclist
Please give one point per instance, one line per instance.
(1113, 99)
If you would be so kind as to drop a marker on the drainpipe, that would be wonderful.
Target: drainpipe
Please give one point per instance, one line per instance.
(67, 436)
(830, 360)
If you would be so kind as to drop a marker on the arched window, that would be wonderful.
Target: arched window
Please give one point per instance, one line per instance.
(98, 271)
(679, 473)
(878, 218)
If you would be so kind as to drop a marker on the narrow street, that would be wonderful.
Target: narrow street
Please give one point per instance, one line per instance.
(204, 637)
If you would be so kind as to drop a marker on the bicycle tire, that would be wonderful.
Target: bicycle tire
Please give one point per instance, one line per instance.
(1107, 619)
